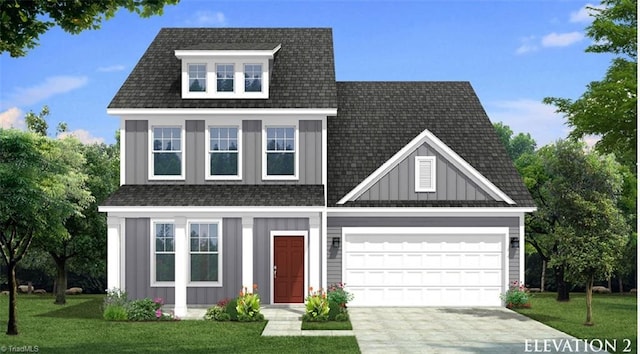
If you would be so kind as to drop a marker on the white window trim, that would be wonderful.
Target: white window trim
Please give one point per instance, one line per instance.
(206, 79)
(281, 123)
(238, 79)
(181, 125)
(215, 74)
(418, 160)
(196, 284)
(221, 123)
(152, 275)
(244, 70)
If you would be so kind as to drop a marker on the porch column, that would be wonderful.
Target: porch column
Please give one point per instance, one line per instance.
(314, 252)
(247, 252)
(521, 250)
(113, 253)
(324, 248)
(181, 276)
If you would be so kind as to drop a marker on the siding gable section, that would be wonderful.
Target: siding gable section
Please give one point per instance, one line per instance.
(455, 178)
(399, 182)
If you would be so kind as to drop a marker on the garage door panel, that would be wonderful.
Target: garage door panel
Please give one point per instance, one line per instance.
(424, 270)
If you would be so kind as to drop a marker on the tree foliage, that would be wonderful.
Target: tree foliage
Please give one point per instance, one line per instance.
(517, 145)
(608, 107)
(22, 22)
(41, 186)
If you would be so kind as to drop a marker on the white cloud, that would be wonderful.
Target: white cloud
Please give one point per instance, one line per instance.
(585, 14)
(51, 86)
(12, 118)
(561, 39)
(209, 18)
(111, 68)
(528, 45)
(84, 136)
(529, 116)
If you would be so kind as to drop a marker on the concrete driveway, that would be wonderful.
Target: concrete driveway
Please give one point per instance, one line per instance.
(456, 330)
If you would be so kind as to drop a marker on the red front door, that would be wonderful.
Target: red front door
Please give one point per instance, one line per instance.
(288, 269)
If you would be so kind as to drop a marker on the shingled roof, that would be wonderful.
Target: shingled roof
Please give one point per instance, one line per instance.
(377, 119)
(279, 195)
(303, 73)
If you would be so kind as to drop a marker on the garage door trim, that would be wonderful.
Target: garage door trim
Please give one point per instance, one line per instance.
(502, 232)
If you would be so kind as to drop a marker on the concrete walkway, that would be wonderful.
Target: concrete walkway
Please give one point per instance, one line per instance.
(454, 330)
(286, 320)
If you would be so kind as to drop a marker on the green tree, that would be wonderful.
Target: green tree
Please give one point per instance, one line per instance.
(86, 241)
(22, 22)
(41, 186)
(608, 108)
(592, 230)
(517, 145)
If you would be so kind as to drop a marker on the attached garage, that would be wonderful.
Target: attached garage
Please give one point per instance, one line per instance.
(425, 266)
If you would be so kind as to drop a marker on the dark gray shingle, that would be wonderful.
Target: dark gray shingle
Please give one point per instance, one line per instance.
(217, 195)
(376, 119)
(303, 74)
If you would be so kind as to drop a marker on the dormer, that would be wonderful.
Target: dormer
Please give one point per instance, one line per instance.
(226, 70)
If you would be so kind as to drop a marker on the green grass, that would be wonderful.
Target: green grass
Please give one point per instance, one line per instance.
(614, 316)
(327, 326)
(78, 327)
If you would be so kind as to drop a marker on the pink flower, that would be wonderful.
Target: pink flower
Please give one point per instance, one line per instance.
(158, 300)
(158, 313)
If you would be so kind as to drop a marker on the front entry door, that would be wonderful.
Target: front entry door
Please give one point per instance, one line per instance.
(288, 269)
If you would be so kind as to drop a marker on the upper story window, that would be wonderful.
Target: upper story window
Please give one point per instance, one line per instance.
(197, 77)
(224, 77)
(223, 150)
(253, 77)
(425, 174)
(239, 70)
(167, 149)
(280, 152)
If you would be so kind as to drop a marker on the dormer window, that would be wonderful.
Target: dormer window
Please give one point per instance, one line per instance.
(197, 77)
(224, 77)
(239, 70)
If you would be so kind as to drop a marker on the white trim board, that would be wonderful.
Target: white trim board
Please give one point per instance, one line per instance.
(228, 111)
(427, 137)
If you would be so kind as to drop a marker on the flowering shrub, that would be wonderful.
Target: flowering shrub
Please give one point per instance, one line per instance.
(517, 296)
(337, 294)
(248, 305)
(316, 306)
(118, 308)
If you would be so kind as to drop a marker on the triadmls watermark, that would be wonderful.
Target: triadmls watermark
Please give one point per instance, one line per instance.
(19, 349)
(574, 345)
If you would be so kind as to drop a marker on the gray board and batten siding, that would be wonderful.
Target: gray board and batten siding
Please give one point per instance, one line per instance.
(335, 225)
(137, 153)
(138, 265)
(399, 182)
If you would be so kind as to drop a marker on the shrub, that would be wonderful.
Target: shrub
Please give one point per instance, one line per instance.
(115, 313)
(231, 309)
(517, 295)
(316, 306)
(217, 313)
(115, 296)
(337, 294)
(248, 306)
(142, 310)
(343, 316)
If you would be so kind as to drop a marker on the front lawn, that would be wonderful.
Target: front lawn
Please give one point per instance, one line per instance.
(614, 315)
(327, 326)
(78, 327)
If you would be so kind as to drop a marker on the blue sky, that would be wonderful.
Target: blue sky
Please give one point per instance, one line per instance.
(514, 53)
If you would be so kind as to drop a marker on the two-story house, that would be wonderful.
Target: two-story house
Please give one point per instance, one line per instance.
(244, 162)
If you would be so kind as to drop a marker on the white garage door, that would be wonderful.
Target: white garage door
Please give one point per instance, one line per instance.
(424, 267)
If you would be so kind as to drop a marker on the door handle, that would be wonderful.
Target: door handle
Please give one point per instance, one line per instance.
(275, 271)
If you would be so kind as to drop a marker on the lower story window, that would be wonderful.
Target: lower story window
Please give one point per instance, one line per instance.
(204, 252)
(164, 252)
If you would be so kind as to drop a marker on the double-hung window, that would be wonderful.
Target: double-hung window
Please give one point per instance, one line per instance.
(223, 152)
(281, 151)
(224, 77)
(197, 77)
(167, 151)
(205, 246)
(252, 77)
(164, 252)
